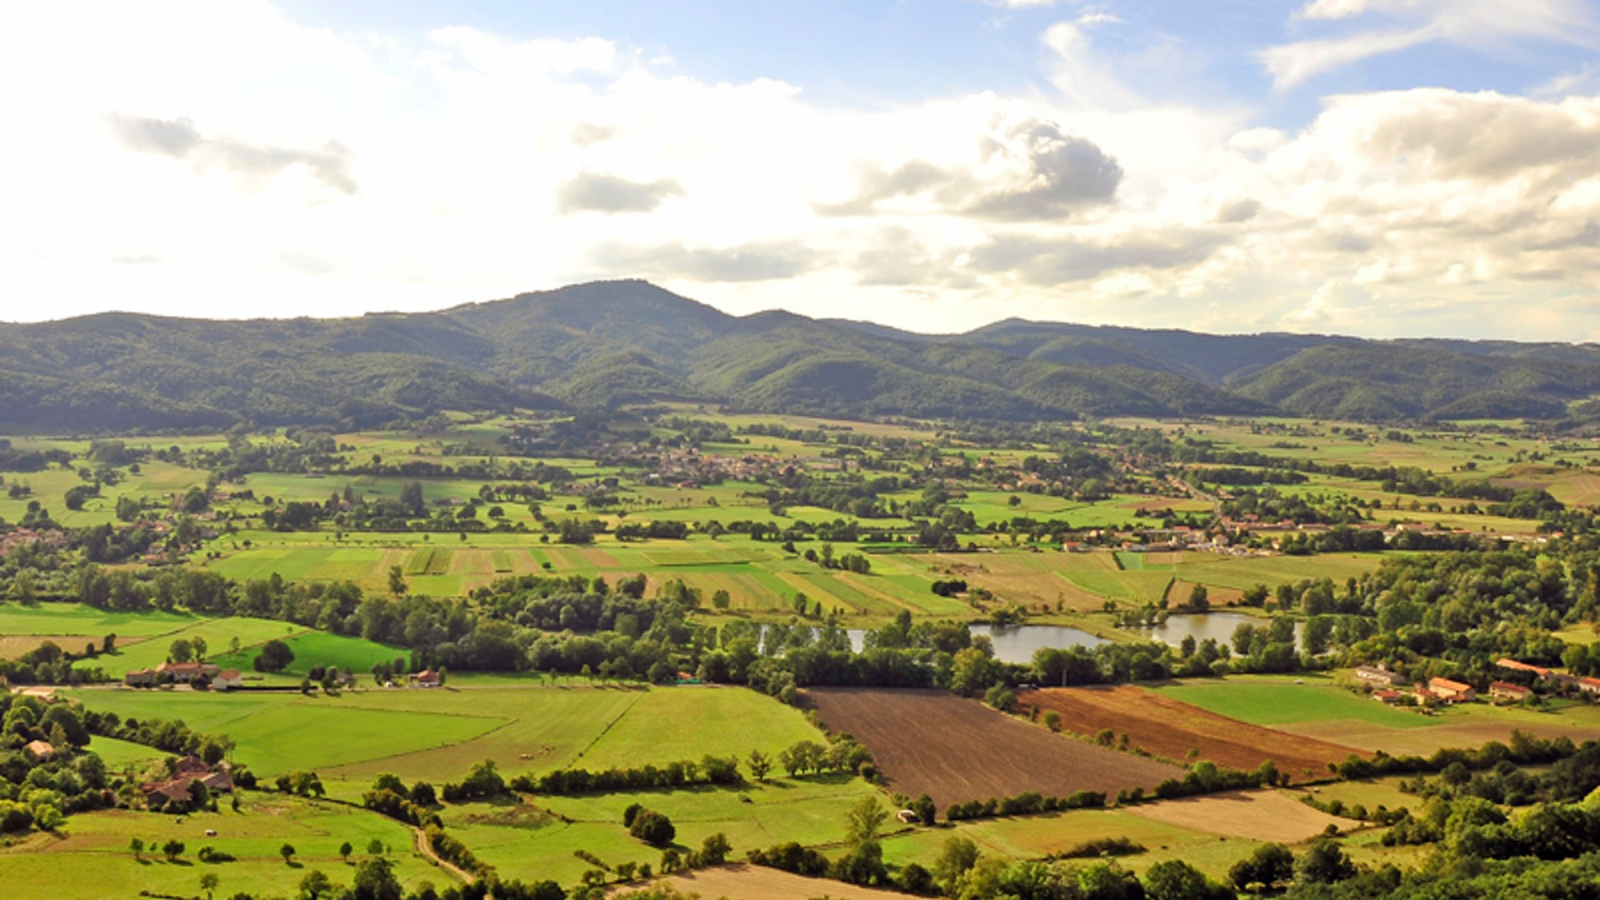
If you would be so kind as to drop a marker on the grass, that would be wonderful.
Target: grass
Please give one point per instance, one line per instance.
(217, 633)
(318, 648)
(91, 860)
(1285, 700)
(690, 722)
(284, 732)
(527, 842)
(78, 619)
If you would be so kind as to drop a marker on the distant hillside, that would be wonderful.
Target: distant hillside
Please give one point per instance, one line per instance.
(600, 345)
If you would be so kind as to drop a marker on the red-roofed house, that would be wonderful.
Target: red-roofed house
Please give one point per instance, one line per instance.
(428, 678)
(40, 750)
(185, 673)
(1504, 690)
(1519, 666)
(1451, 691)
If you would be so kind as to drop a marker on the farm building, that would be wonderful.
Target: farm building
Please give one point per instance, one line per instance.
(228, 679)
(1386, 696)
(40, 750)
(1519, 666)
(140, 678)
(187, 673)
(1451, 691)
(427, 678)
(1503, 690)
(178, 790)
(1380, 675)
(1582, 685)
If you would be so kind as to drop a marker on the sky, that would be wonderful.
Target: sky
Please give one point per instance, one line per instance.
(1386, 168)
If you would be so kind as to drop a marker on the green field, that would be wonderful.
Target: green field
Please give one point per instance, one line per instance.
(217, 633)
(318, 648)
(527, 844)
(91, 858)
(1283, 700)
(77, 619)
(283, 732)
(440, 734)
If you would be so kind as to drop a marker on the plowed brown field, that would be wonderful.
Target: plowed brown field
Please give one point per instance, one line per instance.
(953, 749)
(1171, 728)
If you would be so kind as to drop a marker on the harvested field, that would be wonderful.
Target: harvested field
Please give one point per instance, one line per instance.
(953, 749)
(12, 646)
(1263, 815)
(749, 882)
(1171, 728)
(1424, 741)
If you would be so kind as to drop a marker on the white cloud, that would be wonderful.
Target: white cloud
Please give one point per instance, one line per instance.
(1480, 24)
(322, 173)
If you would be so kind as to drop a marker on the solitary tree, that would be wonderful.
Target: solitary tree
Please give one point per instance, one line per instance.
(374, 847)
(137, 846)
(345, 850)
(287, 852)
(760, 764)
(397, 581)
(315, 886)
(208, 883)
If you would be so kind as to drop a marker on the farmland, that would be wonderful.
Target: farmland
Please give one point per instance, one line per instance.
(1167, 728)
(352, 737)
(95, 850)
(587, 660)
(1321, 710)
(946, 747)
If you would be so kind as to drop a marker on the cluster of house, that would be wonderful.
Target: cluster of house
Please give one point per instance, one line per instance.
(185, 673)
(1581, 684)
(28, 537)
(1387, 684)
(178, 790)
(689, 469)
(1387, 687)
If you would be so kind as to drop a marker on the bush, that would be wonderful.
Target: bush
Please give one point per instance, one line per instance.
(653, 828)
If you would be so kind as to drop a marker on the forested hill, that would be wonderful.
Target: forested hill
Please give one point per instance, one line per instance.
(598, 345)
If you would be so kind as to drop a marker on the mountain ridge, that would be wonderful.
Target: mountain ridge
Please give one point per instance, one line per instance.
(600, 345)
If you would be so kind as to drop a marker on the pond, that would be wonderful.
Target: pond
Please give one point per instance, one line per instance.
(1218, 625)
(1016, 643)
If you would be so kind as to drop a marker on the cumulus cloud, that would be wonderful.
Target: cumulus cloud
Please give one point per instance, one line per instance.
(180, 139)
(599, 192)
(1026, 170)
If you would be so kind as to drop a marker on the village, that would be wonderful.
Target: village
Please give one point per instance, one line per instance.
(1389, 687)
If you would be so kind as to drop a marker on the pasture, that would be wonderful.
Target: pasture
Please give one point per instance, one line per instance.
(76, 619)
(284, 732)
(953, 749)
(438, 735)
(319, 648)
(526, 839)
(91, 853)
(218, 635)
(1315, 707)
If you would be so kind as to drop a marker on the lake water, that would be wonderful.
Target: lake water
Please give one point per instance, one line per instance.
(1017, 643)
(1217, 625)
